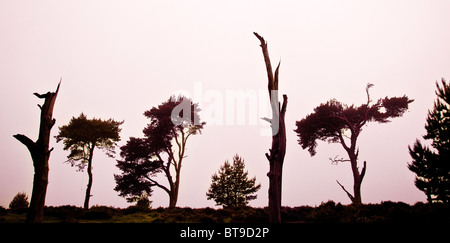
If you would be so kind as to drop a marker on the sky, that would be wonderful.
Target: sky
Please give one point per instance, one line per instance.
(118, 59)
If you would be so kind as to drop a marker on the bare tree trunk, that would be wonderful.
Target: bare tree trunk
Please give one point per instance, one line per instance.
(357, 176)
(40, 155)
(278, 150)
(90, 177)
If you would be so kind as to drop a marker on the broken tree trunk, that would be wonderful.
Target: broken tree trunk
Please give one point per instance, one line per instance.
(278, 150)
(40, 155)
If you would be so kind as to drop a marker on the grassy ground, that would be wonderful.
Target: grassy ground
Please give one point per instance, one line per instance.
(329, 212)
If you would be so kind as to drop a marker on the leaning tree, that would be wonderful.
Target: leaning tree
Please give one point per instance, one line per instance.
(339, 123)
(40, 154)
(278, 150)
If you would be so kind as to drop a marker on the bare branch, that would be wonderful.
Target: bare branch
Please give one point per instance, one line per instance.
(369, 85)
(363, 172)
(267, 119)
(348, 194)
(26, 141)
(336, 160)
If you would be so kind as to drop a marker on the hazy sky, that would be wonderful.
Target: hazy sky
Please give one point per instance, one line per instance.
(118, 59)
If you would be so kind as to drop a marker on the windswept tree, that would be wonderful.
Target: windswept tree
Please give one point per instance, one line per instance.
(432, 165)
(81, 136)
(40, 154)
(231, 185)
(161, 150)
(339, 123)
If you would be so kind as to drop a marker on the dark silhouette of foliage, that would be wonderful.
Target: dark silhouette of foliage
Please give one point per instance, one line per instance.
(432, 166)
(138, 166)
(171, 123)
(326, 212)
(19, 202)
(82, 136)
(231, 186)
(40, 154)
(338, 123)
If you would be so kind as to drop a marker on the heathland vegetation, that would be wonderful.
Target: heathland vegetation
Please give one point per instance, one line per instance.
(327, 212)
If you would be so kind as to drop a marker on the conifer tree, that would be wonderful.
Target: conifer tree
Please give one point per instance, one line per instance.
(231, 186)
(81, 136)
(336, 122)
(432, 166)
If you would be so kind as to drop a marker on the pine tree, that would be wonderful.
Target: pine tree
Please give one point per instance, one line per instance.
(432, 166)
(336, 122)
(231, 186)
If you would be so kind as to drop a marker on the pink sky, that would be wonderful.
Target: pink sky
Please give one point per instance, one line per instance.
(120, 58)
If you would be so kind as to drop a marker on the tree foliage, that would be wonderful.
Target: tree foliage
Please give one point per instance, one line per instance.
(336, 122)
(161, 150)
(81, 136)
(20, 201)
(231, 186)
(332, 120)
(432, 166)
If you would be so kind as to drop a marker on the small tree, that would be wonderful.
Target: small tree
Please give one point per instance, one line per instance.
(432, 166)
(231, 186)
(338, 123)
(82, 136)
(20, 201)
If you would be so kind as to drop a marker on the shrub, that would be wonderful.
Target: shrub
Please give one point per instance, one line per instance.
(100, 212)
(19, 202)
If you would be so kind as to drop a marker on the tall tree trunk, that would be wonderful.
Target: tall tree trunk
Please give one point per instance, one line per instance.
(278, 150)
(40, 155)
(90, 177)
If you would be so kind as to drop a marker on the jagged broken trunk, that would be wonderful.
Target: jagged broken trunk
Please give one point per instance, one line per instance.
(278, 150)
(40, 155)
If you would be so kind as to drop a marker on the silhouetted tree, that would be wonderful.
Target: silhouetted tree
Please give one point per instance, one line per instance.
(338, 123)
(231, 186)
(278, 150)
(138, 166)
(171, 123)
(432, 166)
(40, 155)
(82, 136)
(20, 201)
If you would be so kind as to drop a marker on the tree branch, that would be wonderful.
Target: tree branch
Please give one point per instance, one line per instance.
(267, 61)
(26, 141)
(157, 184)
(336, 160)
(348, 194)
(363, 172)
(283, 108)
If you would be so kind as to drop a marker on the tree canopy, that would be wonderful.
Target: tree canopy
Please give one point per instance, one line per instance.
(331, 120)
(82, 134)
